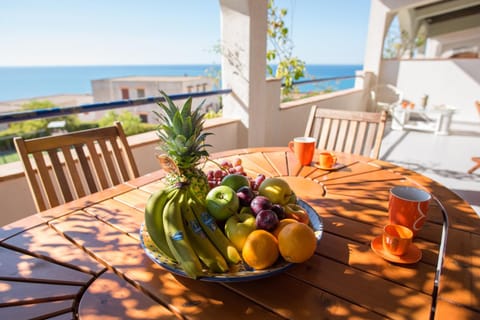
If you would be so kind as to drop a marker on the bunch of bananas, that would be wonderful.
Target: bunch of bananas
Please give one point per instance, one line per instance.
(183, 230)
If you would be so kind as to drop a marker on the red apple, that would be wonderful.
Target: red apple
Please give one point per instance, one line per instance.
(297, 212)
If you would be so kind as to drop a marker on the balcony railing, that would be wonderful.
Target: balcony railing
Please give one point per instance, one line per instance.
(63, 111)
(335, 79)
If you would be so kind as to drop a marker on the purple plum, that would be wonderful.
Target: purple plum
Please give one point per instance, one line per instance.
(279, 210)
(260, 203)
(267, 220)
(245, 195)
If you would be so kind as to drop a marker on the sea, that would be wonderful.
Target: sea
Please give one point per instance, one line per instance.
(30, 82)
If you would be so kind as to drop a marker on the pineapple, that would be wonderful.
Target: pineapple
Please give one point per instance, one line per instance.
(183, 140)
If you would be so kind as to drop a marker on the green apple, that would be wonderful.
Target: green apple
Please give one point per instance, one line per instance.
(275, 189)
(293, 198)
(246, 210)
(235, 181)
(238, 227)
(222, 202)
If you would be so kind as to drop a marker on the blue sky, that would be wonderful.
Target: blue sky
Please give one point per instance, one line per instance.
(116, 32)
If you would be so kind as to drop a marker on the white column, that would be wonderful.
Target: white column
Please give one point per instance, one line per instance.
(244, 45)
(378, 24)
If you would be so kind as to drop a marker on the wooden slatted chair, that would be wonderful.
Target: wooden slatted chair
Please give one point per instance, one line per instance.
(347, 131)
(66, 167)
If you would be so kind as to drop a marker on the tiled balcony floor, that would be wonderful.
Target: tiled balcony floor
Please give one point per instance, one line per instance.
(445, 159)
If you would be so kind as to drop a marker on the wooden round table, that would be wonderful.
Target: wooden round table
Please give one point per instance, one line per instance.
(84, 259)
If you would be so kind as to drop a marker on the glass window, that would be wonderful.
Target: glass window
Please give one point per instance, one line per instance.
(140, 93)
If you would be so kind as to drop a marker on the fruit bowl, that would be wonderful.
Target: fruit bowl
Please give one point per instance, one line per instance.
(240, 272)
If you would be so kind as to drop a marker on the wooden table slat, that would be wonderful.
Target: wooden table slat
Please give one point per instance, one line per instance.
(110, 297)
(308, 302)
(46, 243)
(27, 292)
(383, 296)
(135, 198)
(50, 310)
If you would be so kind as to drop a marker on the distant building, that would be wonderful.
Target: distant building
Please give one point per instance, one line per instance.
(136, 87)
(124, 88)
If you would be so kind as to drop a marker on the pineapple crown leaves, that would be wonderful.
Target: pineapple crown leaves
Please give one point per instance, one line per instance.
(181, 132)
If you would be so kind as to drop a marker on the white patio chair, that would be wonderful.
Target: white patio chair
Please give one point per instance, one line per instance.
(386, 97)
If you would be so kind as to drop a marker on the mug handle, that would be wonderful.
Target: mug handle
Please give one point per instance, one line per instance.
(290, 146)
(334, 157)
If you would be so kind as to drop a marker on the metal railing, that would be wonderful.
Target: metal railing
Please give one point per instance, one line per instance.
(16, 116)
(296, 83)
(63, 111)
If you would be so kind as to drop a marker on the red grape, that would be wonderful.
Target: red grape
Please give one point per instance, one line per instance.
(215, 177)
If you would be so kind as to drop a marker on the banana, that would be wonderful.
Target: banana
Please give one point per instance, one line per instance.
(154, 219)
(177, 238)
(209, 225)
(205, 249)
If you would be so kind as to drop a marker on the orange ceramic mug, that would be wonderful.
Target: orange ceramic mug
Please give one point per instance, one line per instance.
(396, 239)
(408, 207)
(303, 148)
(327, 160)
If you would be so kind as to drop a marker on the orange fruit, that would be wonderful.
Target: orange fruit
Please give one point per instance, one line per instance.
(281, 224)
(297, 242)
(260, 250)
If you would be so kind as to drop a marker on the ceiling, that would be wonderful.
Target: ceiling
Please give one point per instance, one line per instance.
(447, 15)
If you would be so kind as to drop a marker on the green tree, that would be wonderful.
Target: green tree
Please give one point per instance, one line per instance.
(399, 41)
(41, 125)
(131, 123)
(289, 67)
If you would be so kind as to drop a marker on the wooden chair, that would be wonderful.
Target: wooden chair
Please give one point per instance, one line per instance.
(65, 167)
(347, 131)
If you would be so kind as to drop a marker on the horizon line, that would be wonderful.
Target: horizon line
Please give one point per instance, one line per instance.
(153, 64)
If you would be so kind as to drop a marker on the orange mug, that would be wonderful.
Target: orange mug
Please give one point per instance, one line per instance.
(327, 160)
(396, 239)
(303, 148)
(408, 206)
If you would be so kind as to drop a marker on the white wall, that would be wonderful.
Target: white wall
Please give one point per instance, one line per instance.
(454, 82)
(290, 119)
(17, 202)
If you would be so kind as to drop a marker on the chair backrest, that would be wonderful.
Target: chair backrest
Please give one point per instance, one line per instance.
(347, 131)
(65, 167)
(386, 96)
